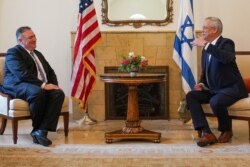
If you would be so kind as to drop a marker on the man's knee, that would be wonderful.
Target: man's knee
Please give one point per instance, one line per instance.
(217, 105)
(190, 95)
(59, 94)
(37, 93)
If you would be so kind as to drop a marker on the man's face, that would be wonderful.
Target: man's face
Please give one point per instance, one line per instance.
(209, 32)
(28, 40)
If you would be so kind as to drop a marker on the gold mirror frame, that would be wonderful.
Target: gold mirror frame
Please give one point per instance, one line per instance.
(137, 23)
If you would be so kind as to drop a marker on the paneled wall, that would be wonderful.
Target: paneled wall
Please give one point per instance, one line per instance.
(243, 62)
(157, 47)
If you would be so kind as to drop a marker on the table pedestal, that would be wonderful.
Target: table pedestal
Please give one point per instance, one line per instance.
(132, 129)
(144, 134)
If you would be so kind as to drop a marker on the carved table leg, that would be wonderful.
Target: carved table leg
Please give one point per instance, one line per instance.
(133, 129)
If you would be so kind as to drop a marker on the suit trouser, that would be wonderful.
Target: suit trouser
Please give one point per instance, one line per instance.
(45, 105)
(218, 103)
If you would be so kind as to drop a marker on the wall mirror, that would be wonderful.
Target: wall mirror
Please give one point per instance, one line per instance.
(137, 12)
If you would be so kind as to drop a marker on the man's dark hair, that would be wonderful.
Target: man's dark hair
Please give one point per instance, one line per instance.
(20, 30)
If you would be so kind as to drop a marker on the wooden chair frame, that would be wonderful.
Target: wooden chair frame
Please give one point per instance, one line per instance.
(14, 121)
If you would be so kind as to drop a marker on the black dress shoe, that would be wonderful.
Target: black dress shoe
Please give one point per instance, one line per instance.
(40, 137)
(34, 138)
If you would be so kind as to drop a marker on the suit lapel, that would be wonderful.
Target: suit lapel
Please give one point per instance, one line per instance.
(219, 41)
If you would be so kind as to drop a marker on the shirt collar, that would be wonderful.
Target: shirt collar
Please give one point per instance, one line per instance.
(215, 40)
(27, 49)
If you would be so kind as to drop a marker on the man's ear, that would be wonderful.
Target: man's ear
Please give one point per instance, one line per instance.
(19, 40)
(215, 30)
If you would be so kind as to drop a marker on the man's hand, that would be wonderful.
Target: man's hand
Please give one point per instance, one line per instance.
(50, 87)
(198, 87)
(200, 41)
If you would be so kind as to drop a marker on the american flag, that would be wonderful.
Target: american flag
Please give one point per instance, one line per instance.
(185, 54)
(84, 71)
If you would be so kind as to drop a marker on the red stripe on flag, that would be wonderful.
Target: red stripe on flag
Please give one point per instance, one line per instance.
(90, 63)
(91, 43)
(77, 41)
(85, 74)
(77, 80)
(91, 14)
(84, 71)
(88, 89)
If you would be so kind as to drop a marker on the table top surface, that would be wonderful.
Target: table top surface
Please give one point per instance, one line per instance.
(127, 75)
(126, 78)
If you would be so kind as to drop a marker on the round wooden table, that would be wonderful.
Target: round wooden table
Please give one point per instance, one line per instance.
(133, 129)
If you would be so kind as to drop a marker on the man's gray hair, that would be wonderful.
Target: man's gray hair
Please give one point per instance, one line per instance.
(21, 30)
(216, 22)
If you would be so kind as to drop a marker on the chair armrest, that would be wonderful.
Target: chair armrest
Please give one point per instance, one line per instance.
(4, 103)
(4, 95)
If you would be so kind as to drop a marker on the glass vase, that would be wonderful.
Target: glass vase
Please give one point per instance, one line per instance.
(133, 73)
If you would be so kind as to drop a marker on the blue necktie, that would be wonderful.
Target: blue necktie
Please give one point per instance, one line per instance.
(40, 71)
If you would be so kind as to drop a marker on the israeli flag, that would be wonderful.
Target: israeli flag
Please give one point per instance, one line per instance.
(184, 54)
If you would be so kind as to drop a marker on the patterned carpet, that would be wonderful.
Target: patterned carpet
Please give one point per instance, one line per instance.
(176, 149)
(126, 155)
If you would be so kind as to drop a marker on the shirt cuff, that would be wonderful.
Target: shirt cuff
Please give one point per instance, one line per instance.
(43, 85)
(203, 86)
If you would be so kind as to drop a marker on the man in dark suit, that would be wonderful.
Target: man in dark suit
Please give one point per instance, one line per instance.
(29, 76)
(220, 85)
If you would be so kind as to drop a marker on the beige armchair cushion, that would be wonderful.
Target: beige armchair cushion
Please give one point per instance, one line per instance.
(4, 105)
(239, 108)
(18, 107)
(242, 104)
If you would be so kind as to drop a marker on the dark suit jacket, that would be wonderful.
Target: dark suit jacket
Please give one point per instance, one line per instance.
(21, 68)
(223, 73)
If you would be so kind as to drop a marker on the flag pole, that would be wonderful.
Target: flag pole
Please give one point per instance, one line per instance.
(84, 71)
(86, 119)
(184, 54)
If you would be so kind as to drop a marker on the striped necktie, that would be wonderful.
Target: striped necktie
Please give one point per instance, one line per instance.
(39, 68)
(208, 58)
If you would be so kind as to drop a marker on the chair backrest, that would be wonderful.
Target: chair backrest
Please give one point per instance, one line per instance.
(2, 64)
(243, 63)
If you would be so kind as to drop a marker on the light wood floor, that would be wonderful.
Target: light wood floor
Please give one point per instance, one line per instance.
(173, 131)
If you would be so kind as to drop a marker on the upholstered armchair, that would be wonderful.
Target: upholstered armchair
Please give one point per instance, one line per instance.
(17, 109)
(240, 110)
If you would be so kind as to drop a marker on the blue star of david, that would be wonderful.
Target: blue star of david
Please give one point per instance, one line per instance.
(184, 38)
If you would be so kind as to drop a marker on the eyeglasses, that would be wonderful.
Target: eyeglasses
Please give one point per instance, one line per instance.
(31, 37)
(207, 27)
